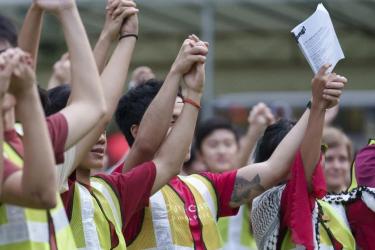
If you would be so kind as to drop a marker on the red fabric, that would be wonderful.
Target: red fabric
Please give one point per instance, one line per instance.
(58, 131)
(133, 188)
(297, 204)
(118, 169)
(68, 197)
(9, 169)
(362, 223)
(117, 147)
(223, 184)
(191, 211)
(365, 167)
(15, 142)
(52, 237)
(12, 138)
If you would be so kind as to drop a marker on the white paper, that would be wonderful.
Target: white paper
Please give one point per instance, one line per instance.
(317, 40)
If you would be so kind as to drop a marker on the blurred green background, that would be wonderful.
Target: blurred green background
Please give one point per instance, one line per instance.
(251, 49)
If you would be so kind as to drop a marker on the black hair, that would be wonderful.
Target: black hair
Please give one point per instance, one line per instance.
(272, 137)
(133, 105)
(8, 31)
(207, 127)
(44, 100)
(58, 99)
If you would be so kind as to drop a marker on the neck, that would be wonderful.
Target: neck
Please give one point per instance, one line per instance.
(83, 175)
(337, 190)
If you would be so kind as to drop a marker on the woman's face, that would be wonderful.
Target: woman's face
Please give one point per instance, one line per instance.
(337, 168)
(94, 159)
(219, 150)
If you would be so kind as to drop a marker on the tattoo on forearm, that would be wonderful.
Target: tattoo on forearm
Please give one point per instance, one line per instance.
(244, 189)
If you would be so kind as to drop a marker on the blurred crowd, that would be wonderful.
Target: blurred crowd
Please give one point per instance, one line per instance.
(165, 180)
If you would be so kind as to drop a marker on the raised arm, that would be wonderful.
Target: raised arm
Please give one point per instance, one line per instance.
(61, 72)
(311, 143)
(113, 77)
(86, 99)
(29, 36)
(34, 186)
(173, 151)
(156, 126)
(259, 119)
(116, 12)
(7, 65)
(256, 178)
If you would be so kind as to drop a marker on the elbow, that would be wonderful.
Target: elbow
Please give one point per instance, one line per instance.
(43, 194)
(45, 199)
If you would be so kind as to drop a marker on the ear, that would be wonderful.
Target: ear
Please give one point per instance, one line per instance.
(134, 130)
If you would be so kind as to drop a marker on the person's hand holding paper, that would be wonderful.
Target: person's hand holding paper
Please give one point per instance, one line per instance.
(318, 41)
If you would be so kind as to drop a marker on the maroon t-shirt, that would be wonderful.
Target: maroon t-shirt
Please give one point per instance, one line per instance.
(58, 131)
(223, 184)
(360, 217)
(15, 142)
(133, 188)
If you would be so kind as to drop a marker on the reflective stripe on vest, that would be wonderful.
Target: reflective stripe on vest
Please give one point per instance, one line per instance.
(110, 207)
(95, 183)
(93, 217)
(26, 228)
(87, 212)
(203, 189)
(31, 225)
(235, 231)
(162, 228)
(18, 230)
(336, 226)
(167, 221)
(10, 154)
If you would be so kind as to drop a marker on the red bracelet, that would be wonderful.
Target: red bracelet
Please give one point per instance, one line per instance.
(191, 102)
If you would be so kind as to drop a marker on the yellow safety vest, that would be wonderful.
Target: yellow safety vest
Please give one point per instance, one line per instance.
(332, 227)
(28, 229)
(92, 215)
(166, 225)
(235, 231)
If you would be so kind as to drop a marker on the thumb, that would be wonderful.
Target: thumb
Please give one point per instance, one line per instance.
(322, 71)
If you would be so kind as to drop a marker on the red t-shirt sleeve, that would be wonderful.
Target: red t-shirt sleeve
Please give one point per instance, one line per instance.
(133, 187)
(223, 184)
(9, 169)
(12, 138)
(67, 196)
(58, 131)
